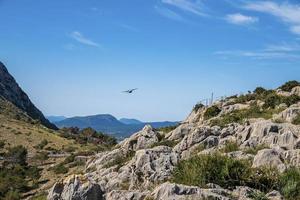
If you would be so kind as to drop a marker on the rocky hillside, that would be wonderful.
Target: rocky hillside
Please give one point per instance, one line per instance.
(33, 156)
(11, 92)
(243, 147)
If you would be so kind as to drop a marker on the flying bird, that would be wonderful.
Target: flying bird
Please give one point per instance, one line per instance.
(130, 91)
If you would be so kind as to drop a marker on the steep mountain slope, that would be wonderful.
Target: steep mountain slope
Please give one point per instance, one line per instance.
(109, 124)
(241, 148)
(10, 91)
(33, 155)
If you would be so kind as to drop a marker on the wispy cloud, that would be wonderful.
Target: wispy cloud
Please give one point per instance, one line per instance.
(240, 19)
(169, 14)
(282, 48)
(281, 51)
(129, 27)
(287, 12)
(192, 6)
(79, 37)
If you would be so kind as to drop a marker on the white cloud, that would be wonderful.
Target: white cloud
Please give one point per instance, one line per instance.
(258, 54)
(76, 35)
(169, 13)
(296, 29)
(240, 19)
(277, 51)
(192, 6)
(287, 12)
(282, 48)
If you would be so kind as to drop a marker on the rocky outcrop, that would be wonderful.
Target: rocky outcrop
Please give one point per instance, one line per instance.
(140, 140)
(73, 188)
(170, 191)
(140, 167)
(10, 91)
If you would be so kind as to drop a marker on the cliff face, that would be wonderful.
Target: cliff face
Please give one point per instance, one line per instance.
(261, 129)
(11, 91)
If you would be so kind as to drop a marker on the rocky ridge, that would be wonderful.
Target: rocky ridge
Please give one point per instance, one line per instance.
(141, 167)
(11, 92)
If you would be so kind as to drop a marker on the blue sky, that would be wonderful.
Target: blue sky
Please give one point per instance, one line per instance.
(73, 57)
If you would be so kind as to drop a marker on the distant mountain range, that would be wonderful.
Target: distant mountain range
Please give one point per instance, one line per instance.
(107, 123)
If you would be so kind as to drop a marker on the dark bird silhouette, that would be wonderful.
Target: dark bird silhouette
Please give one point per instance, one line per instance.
(130, 91)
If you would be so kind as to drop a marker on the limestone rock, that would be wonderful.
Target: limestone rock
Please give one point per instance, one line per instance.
(170, 191)
(269, 157)
(140, 140)
(74, 189)
(126, 195)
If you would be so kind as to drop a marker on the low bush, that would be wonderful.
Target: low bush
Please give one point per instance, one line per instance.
(216, 168)
(167, 129)
(239, 116)
(259, 90)
(224, 171)
(198, 106)
(230, 147)
(288, 86)
(258, 196)
(254, 150)
(2, 144)
(290, 184)
(42, 144)
(212, 111)
(16, 176)
(59, 169)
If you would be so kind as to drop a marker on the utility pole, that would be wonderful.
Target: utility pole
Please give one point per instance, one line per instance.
(212, 98)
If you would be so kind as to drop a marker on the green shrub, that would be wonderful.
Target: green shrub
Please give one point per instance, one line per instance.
(198, 106)
(272, 100)
(296, 121)
(39, 197)
(230, 147)
(42, 144)
(69, 159)
(288, 86)
(59, 169)
(216, 168)
(290, 100)
(254, 150)
(2, 144)
(12, 195)
(224, 171)
(259, 90)
(212, 111)
(290, 183)
(264, 179)
(258, 196)
(17, 155)
(41, 156)
(239, 116)
(167, 129)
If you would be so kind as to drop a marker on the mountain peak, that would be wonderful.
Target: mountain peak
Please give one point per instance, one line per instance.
(11, 91)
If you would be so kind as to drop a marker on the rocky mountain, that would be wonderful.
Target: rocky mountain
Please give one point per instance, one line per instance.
(109, 124)
(244, 147)
(11, 92)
